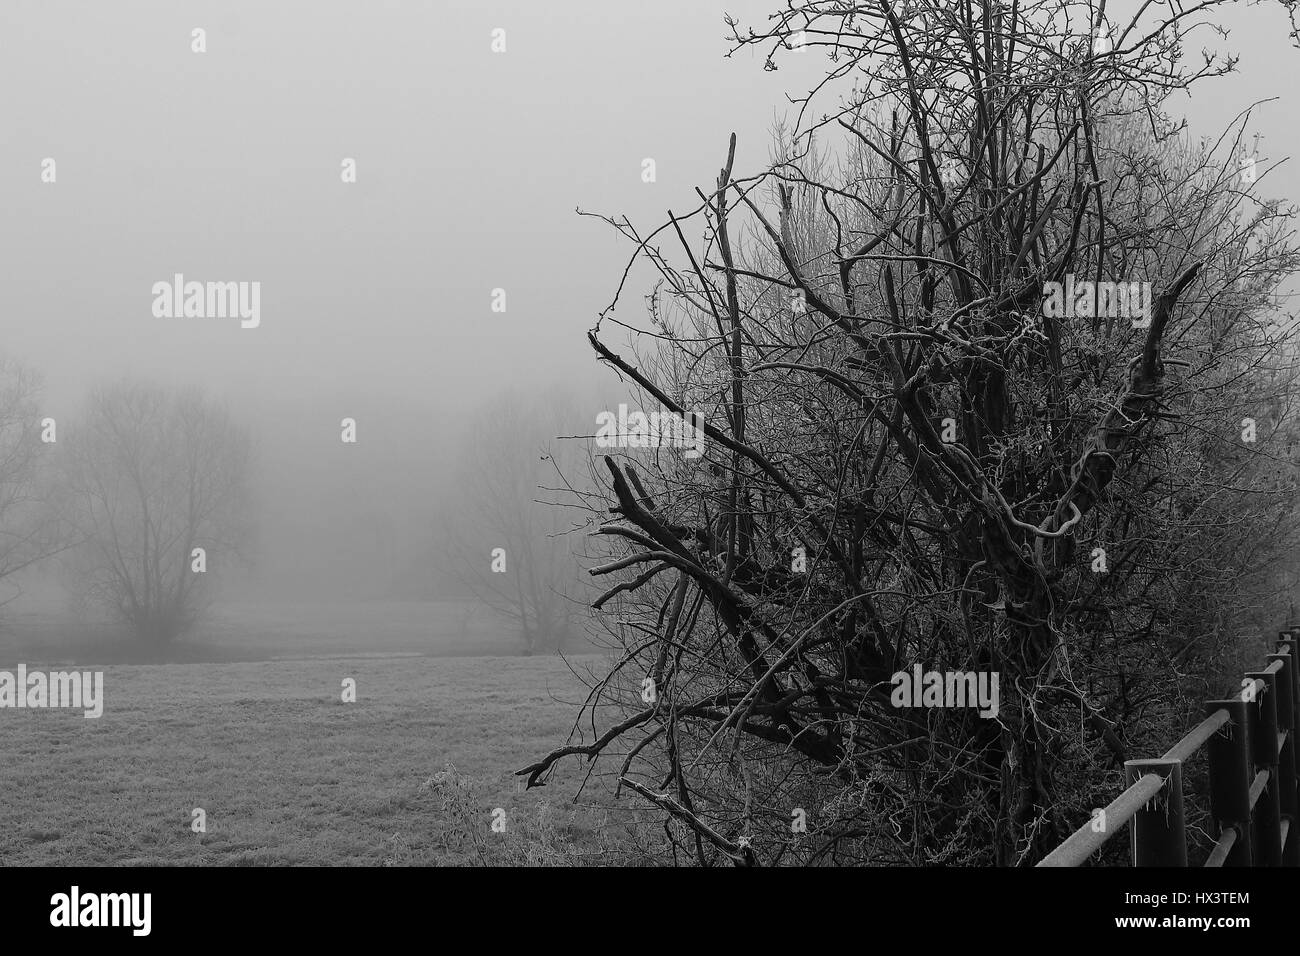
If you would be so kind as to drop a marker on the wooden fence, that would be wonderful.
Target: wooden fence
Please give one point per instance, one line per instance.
(1254, 800)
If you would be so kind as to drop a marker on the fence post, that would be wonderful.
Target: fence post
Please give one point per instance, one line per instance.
(1288, 640)
(1291, 642)
(1230, 766)
(1157, 834)
(1288, 712)
(1263, 735)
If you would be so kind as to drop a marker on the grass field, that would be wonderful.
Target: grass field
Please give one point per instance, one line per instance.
(289, 774)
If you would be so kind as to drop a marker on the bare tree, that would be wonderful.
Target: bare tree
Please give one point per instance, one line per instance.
(918, 457)
(151, 475)
(29, 530)
(511, 539)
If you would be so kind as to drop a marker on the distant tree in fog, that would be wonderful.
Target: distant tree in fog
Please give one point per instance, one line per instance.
(28, 529)
(510, 493)
(150, 475)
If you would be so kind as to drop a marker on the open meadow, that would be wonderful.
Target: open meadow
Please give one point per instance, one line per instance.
(284, 771)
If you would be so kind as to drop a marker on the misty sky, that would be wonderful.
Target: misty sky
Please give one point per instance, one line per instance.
(375, 296)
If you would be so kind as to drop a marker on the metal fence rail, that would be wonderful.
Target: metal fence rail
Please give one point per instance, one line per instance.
(1254, 800)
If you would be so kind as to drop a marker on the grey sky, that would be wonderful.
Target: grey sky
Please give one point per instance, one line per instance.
(226, 165)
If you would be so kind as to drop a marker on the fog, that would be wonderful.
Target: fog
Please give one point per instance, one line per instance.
(376, 296)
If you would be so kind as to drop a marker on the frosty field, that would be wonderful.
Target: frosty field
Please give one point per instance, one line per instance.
(287, 773)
